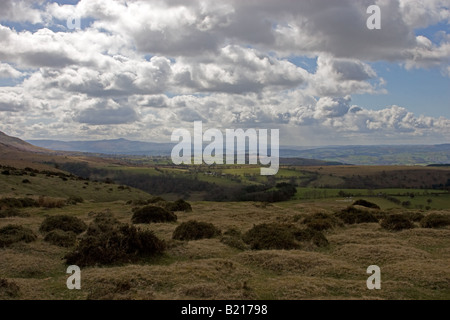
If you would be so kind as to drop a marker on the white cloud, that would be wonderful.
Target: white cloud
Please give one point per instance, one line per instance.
(7, 71)
(140, 68)
(21, 11)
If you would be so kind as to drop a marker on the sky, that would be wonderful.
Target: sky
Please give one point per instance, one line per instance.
(141, 69)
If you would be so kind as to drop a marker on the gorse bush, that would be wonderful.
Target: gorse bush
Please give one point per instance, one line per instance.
(14, 233)
(435, 220)
(151, 214)
(233, 238)
(282, 237)
(110, 242)
(64, 223)
(8, 289)
(271, 236)
(50, 203)
(396, 222)
(103, 222)
(194, 230)
(352, 215)
(367, 204)
(74, 200)
(321, 221)
(316, 237)
(179, 205)
(61, 238)
(156, 200)
(12, 212)
(18, 203)
(414, 216)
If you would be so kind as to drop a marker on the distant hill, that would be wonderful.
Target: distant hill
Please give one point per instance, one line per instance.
(357, 155)
(116, 146)
(18, 144)
(379, 155)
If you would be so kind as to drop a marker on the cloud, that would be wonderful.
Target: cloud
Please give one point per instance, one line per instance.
(106, 113)
(7, 71)
(337, 76)
(21, 11)
(238, 70)
(141, 68)
(13, 99)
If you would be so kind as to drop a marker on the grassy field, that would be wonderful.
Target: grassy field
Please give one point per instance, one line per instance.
(54, 186)
(414, 263)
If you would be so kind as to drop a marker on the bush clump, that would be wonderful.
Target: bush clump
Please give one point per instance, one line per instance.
(14, 233)
(151, 214)
(73, 200)
(233, 238)
(194, 230)
(156, 200)
(50, 203)
(414, 216)
(18, 203)
(273, 236)
(352, 215)
(61, 238)
(435, 220)
(8, 289)
(396, 222)
(313, 236)
(11, 212)
(64, 223)
(110, 242)
(321, 221)
(367, 204)
(179, 205)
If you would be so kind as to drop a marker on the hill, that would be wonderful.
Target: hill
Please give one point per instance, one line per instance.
(334, 155)
(115, 146)
(8, 142)
(380, 155)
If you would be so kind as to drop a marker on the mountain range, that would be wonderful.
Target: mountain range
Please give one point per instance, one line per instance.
(357, 155)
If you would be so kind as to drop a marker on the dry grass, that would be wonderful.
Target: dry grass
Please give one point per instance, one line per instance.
(414, 263)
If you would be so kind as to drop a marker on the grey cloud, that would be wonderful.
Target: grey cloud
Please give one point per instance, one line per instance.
(21, 11)
(106, 113)
(332, 107)
(7, 71)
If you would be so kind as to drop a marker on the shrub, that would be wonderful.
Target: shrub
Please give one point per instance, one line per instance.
(414, 216)
(9, 212)
(47, 202)
(18, 203)
(282, 237)
(435, 220)
(233, 238)
(151, 214)
(310, 235)
(64, 223)
(74, 200)
(120, 243)
(61, 238)
(15, 233)
(321, 221)
(155, 200)
(271, 236)
(352, 215)
(194, 230)
(396, 222)
(103, 222)
(367, 204)
(179, 205)
(8, 289)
